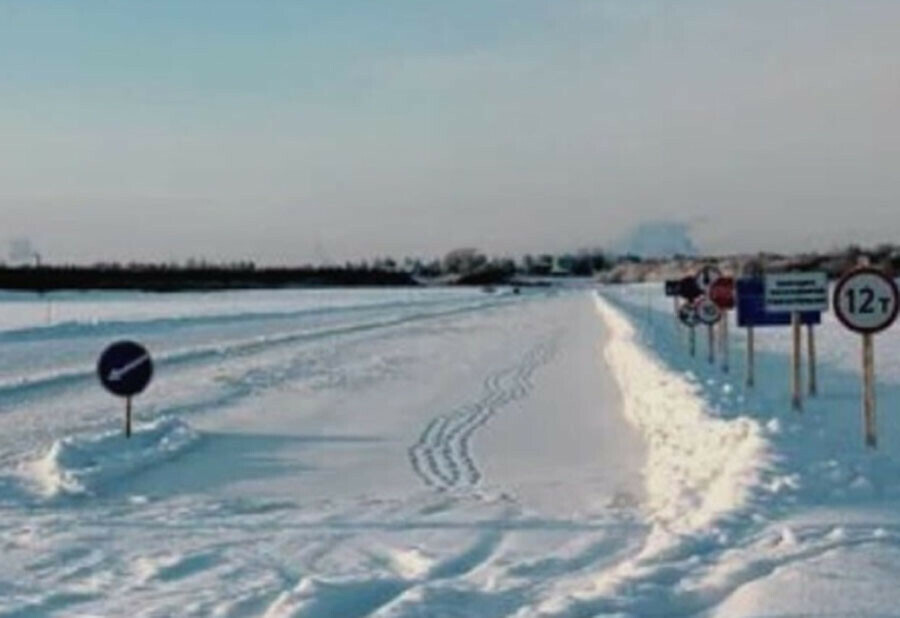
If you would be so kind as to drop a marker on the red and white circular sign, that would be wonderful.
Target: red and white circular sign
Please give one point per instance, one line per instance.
(866, 300)
(708, 312)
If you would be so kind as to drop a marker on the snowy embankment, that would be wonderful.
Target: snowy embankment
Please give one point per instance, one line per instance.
(755, 507)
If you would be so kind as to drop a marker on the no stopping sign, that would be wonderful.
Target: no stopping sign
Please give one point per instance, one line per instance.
(866, 300)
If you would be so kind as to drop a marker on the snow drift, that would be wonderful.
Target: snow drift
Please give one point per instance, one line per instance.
(83, 464)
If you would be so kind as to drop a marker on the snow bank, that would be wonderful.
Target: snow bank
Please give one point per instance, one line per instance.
(751, 502)
(699, 467)
(706, 476)
(83, 464)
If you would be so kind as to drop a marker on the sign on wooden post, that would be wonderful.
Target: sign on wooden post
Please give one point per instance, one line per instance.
(867, 302)
(811, 356)
(752, 313)
(796, 292)
(796, 364)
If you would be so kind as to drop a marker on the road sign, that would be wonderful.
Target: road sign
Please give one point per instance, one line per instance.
(125, 368)
(796, 292)
(688, 315)
(688, 289)
(866, 300)
(722, 293)
(707, 276)
(751, 309)
(707, 311)
(673, 287)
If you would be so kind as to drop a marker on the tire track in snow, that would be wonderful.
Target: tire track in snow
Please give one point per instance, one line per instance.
(442, 456)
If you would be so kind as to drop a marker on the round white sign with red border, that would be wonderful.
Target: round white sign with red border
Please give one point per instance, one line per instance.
(866, 300)
(708, 312)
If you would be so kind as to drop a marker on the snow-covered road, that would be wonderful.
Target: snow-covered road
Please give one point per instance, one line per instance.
(423, 454)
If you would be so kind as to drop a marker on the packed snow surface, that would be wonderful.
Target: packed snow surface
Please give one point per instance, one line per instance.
(339, 454)
(431, 453)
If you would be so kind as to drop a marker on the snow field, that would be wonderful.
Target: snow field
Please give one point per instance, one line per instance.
(352, 472)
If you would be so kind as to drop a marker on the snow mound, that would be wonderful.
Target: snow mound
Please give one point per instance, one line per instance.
(706, 476)
(699, 466)
(79, 465)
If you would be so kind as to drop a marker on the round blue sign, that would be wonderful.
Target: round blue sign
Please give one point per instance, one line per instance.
(125, 368)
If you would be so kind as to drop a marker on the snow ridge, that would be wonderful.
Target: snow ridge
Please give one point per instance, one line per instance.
(704, 477)
(699, 466)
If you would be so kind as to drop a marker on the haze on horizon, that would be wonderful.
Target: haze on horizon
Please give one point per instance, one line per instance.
(288, 131)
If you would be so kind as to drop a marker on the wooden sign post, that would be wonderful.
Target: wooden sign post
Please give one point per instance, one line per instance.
(796, 293)
(796, 365)
(867, 302)
(811, 359)
(750, 376)
(868, 362)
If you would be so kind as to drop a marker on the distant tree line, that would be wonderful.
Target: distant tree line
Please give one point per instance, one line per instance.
(466, 266)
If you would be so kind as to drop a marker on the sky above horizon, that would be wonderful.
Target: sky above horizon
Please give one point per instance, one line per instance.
(287, 131)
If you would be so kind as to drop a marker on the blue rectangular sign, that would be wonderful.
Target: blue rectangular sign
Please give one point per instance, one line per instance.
(751, 309)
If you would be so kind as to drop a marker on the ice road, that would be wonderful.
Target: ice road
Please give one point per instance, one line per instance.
(318, 454)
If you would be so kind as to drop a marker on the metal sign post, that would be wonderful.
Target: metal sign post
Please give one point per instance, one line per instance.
(709, 313)
(867, 302)
(722, 293)
(128, 417)
(687, 315)
(723, 341)
(125, 369)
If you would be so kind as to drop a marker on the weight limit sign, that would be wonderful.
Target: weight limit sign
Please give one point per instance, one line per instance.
(867, 301)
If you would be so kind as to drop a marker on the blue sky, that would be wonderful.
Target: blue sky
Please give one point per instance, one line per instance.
(287, 131)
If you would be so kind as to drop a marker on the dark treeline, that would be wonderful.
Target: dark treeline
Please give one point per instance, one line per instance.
(171, 279)
(459, 267)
